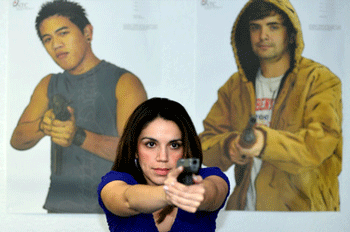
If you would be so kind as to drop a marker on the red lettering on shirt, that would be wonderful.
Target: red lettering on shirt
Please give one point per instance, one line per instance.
(264, 104)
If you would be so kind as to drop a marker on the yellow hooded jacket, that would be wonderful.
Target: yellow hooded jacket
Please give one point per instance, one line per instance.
(302, 154)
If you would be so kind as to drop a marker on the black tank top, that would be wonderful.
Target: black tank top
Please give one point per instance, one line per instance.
(76, 173)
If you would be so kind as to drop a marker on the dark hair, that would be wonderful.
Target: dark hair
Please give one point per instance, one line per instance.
(72, 10)
(144, 114)
(261, 9)
(258, 9)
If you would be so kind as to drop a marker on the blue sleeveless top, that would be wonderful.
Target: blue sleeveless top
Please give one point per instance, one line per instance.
(75, 173)
(203, 221)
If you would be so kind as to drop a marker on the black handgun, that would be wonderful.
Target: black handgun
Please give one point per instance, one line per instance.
(248, 138)
(60, 107)
(191, 166)
(61, 113)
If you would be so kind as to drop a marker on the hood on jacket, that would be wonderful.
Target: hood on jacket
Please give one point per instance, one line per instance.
(247, 61)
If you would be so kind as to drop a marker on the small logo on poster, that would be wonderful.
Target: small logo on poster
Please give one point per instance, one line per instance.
(20, 5)
(324, 27)
(210, 4)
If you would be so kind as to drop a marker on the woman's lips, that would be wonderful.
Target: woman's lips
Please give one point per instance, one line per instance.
(161, 171)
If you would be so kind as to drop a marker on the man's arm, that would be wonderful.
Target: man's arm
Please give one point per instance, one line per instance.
(27, 132)
(129, 94)
(223, 124)
(33, 126)
(319, 136)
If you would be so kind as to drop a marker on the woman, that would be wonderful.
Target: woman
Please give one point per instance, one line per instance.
(142, 193)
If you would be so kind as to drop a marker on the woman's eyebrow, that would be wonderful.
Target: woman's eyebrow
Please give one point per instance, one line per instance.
(149, 138)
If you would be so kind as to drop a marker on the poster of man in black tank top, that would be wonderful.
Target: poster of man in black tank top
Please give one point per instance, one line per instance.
(82, 109)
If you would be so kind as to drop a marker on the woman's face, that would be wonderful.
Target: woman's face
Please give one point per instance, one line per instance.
(159, 147)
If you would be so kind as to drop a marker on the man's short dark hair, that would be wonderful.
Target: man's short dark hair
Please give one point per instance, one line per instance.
(72, 10)
(261, 9)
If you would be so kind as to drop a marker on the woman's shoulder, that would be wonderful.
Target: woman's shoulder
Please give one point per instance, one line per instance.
(114, 175)
(212, 171)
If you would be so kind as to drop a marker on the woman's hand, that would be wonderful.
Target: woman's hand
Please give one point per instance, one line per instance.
(188, 198)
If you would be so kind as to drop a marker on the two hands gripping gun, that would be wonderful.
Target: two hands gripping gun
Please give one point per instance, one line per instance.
(191, 166)
(61, 113)
(60, 107)
(248, 138)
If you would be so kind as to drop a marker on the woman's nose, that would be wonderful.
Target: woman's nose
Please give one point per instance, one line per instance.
(162, 155)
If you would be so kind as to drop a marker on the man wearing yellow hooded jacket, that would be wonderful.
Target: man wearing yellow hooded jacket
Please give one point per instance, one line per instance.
(296, 160)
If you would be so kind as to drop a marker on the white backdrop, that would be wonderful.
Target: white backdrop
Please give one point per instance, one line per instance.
(180, 49)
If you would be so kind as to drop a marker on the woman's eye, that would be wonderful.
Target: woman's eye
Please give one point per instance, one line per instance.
(150, 144)
(175, 145)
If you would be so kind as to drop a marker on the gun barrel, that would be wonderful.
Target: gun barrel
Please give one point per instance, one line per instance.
(61, 113)
(60, 107)
(248, 138)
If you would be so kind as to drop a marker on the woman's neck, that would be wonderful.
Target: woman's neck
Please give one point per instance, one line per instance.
(165, 218)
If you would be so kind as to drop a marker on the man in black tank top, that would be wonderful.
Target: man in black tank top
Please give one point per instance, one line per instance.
(83, 109)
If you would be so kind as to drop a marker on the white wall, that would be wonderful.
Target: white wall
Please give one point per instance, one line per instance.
(195, 51)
